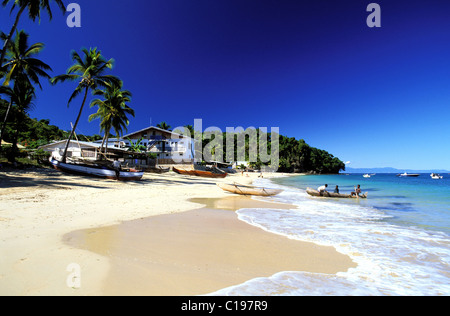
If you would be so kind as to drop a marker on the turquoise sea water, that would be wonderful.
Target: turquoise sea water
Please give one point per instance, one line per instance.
(421, 202)
(399, 237)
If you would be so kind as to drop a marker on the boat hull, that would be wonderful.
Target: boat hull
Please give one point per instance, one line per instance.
(248, 190)
(99, 172)
(199, 173)
(157, 170)
(334, 195)
(412, 175)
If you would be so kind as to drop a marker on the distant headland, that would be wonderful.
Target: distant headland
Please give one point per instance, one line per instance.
(391, 170)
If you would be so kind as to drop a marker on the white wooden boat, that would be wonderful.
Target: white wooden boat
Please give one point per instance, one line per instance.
(248, 190)
(97, 171)
(436, 176)
(408, 175)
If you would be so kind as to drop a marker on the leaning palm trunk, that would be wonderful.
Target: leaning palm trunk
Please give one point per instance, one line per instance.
(4, 123)
(8, 39)
(74, 126)
(105, 146)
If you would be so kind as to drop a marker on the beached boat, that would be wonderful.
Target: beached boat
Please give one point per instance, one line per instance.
(97, 171)
(157, 170)
(248, 190)
(436, 176)
(412, 175)
(335, 195)
(199, 173)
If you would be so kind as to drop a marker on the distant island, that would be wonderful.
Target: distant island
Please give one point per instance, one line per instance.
(391, 170)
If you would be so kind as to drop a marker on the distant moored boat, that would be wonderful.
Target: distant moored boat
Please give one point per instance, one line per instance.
(413, 175)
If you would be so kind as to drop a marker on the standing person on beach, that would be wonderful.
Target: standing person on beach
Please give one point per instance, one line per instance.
(116, 167)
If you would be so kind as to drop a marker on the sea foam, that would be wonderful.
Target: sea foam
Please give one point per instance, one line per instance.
(391, 259)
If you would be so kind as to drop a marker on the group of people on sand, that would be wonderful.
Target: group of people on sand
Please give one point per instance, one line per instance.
(323, 188)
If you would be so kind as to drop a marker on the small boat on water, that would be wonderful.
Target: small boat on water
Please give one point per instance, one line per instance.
(335, 195)
(436, 176)
(200, 173)
(248, 190)
(412, 175)
(98, 171)
(367, 176)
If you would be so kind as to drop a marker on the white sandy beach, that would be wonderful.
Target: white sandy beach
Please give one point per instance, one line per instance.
(37, 209)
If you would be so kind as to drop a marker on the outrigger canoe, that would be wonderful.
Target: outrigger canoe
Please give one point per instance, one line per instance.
(335, 195)
(97, 171)
(200, 173)
(248, 190)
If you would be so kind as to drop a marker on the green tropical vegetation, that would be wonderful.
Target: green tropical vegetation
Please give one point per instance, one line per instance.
(137, 146)
(298, 156)
(20, 71)
(294, 155)
(163, 125)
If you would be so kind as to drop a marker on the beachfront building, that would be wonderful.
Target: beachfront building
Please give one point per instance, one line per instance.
(76, 149)
(167, 146)
(84, 150)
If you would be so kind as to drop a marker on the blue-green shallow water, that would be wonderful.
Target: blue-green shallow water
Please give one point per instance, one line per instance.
(399, 237)
(421, 202)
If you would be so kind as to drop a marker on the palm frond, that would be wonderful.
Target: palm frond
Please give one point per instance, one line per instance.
(63, 78)
(34, 49)
(75, 93)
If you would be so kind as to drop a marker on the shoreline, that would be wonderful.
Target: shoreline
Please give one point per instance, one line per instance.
(41, 207)
(207, 250)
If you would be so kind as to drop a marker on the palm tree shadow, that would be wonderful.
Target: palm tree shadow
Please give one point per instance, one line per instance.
(54, 180)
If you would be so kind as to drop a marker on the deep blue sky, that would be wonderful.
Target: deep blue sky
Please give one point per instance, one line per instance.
(374, 96)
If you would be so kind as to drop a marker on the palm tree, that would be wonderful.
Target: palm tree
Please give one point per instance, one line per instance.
(89, 71)
(164, 125)
(22, 96)
(21, 63)
(190, 128)
(8, 92)
(34, 11)
(113, 110)
(22, 66)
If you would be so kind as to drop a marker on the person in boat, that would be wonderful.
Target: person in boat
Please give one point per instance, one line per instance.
(357, 191)
(336, 190)
(322, 189)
